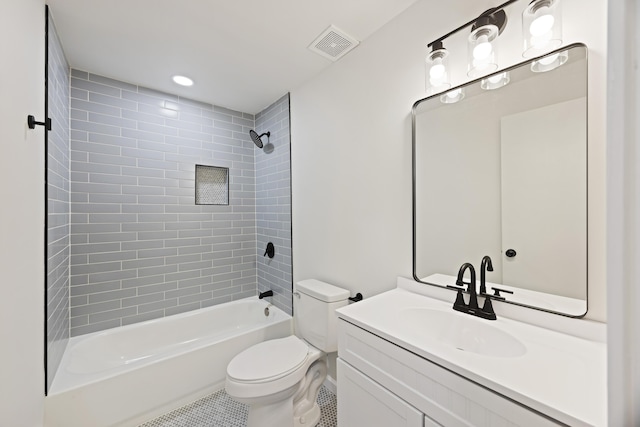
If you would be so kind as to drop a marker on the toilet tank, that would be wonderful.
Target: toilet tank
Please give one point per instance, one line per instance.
(314, 312)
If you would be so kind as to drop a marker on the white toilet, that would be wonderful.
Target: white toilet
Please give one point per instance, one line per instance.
(279, 379)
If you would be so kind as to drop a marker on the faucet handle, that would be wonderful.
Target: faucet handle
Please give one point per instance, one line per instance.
(496, 293)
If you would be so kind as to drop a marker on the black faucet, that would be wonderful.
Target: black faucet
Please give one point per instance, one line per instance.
(471, 286)
(472, 307)
(485, 266)
(268, 293)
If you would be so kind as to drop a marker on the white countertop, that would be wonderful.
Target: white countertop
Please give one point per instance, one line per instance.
(560, 375)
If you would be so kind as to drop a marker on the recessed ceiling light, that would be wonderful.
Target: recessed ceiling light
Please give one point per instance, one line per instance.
(183, 81)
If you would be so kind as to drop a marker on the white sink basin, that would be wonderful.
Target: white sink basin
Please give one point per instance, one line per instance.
(558, 374)
(462, 332)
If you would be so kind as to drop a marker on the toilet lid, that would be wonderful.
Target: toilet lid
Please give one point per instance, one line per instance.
(268, 360)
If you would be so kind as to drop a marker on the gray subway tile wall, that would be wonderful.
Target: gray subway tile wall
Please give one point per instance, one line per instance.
(273, 203)
(141, 248)
(58, 242)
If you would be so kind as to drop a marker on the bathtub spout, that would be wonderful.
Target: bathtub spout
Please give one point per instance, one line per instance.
(264, 294)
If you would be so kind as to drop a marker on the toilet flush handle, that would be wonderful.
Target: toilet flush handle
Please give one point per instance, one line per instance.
(296, 294)
(357, 298)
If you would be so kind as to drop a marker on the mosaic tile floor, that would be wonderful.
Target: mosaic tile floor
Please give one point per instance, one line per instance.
(219, 410)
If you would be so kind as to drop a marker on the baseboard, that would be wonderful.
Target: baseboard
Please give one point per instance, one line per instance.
(331, 385)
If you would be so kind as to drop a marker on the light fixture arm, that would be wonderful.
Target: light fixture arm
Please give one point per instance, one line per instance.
(489, 13)
(436, 45)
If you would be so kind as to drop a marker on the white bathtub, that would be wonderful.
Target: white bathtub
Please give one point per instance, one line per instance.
(128, 375)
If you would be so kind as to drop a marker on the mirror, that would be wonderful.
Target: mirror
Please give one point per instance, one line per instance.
(503, 172)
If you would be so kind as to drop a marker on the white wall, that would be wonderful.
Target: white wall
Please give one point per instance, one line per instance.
(22, 214)
(351, 146)
(623, 219)
(465, 202)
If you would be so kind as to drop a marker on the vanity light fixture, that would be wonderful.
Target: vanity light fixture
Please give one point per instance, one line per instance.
(481, 42)
(182, 80)
(437, 69)
(482, 49)
(452, 96)
(541, 27)
(495, 81)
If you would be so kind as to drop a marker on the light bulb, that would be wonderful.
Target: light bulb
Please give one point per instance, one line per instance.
(481, 52)
(437, 70)
(541, 25)
(483, 49)
(439, 80)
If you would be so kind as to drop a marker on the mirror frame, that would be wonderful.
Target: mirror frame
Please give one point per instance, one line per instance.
(413, 177)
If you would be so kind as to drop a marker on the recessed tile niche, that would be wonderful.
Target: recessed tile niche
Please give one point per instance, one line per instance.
(212, 185)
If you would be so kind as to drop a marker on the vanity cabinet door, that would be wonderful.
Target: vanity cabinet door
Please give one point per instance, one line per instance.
(363, 402)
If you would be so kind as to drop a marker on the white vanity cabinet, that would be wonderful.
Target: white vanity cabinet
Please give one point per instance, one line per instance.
(366, 403)
(382, 384)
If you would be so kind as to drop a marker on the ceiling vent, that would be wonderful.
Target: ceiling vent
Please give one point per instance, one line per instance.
(333, 43)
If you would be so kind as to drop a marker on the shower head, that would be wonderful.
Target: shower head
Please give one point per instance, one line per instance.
(257, 139)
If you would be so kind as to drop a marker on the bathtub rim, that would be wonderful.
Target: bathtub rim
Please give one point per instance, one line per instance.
(73, 383)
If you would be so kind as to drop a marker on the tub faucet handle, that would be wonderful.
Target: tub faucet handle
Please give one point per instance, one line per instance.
(270, 251)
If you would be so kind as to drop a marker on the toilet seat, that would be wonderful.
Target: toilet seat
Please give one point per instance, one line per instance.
(268, 360)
